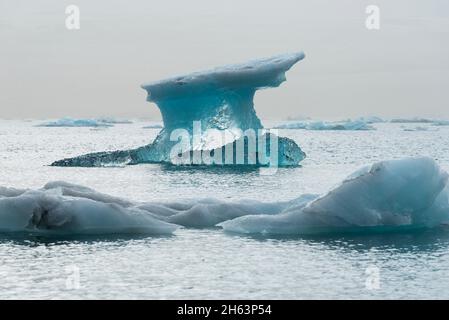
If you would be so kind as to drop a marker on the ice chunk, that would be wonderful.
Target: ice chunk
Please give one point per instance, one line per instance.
(412, 120)
(153, 126)
(417, 128)
(322, 125)
(370, 119)
(220, 99)
(206, 213)
(110, 120)
(68, 122)
(389, 195)
(61, 208)
(441, 123)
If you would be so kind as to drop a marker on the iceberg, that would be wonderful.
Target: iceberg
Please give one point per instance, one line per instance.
(386, 196)
(441, 123)
(371, 119)
(68, 122)
(221, 101)
(322, 125)
(61, 208)
(396, 195)
(416, 120)
(153, 126)
(412, 120)
(110, 120)
(418, 128)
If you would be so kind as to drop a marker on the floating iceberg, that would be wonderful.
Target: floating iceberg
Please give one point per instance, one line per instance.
(419, 128)
(370, 119)
(221, 100)
(110, 120)
(393, 195)
(153, 126)
(412, 120)
(441, 123)
(321, 125)
(434, 122)
(68, 122)
(389, 195)
(61, 208)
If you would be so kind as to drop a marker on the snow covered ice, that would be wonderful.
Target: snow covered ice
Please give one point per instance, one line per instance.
(221, 99)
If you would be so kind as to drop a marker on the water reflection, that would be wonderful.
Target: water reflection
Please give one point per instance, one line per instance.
(417, 241)
(32, 240)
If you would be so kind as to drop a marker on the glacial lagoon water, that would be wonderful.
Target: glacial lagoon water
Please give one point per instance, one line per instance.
(197, 264)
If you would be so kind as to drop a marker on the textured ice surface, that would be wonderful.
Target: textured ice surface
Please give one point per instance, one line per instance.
(68, 122)
(322, 125)
(65, 208)
(222, 99)
(153, 126)
(61, 208)
(370, 119)
(99, 122)
(386, 196)
(111, 120)
(389, 195)
(412, 120)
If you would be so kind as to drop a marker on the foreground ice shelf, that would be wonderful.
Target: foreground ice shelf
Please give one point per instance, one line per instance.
(388, 196)
(221, 100)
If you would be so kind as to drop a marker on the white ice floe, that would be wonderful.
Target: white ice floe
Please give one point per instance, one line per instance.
(62, 208)
(323, 125)
(386, 196)
(389, 195)
(68, 122)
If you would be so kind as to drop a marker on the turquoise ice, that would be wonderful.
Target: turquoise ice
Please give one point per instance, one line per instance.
(220, 99)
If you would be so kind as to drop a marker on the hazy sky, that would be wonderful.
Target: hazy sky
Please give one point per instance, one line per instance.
(400, 70)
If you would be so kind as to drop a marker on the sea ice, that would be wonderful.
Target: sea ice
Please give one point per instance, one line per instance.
(68, 122)
(111, 120)
(321, 125)
(386, 196)
(389, 195)
(61, 208)
(412, 120)
(221, 100)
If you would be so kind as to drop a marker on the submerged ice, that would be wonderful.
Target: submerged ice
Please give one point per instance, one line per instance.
(386, 196)
(221, 100)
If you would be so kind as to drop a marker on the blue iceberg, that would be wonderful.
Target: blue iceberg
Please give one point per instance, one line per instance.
(219, 104)
(68, 122)
(355, 125)
(111, 120)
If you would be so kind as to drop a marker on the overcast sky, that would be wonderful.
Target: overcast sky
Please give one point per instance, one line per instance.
(400, 70)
